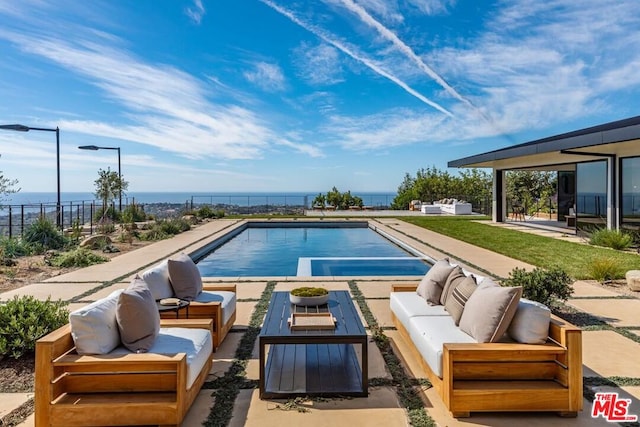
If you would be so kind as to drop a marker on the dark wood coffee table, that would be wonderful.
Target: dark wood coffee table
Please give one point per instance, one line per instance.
(312, 362)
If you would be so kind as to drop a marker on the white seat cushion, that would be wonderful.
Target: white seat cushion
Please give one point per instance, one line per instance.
(429, 333)
(405, 305)
(227, 299)
(94, 328)
(196, 343)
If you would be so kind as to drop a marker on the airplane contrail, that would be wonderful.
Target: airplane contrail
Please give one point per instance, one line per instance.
(338, 45)
(405, 49)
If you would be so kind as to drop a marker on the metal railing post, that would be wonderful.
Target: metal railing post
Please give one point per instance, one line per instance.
(10, 224)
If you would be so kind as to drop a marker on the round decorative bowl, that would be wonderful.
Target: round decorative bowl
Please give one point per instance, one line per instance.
(307, 301)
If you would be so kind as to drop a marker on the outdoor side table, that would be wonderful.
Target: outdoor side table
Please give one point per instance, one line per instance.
(174, 307)
(313, 362)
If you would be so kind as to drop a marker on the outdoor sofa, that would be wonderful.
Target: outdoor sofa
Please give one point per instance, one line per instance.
(454, 207)
(117, 363)
(179, 277)
(484, 348)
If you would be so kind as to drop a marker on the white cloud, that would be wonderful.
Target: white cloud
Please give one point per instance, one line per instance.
(620, 78)
(307, 149)
(165, 107)
(267, 76)
(432, 7)
(387, 10)
(319, 65)
(196, 12)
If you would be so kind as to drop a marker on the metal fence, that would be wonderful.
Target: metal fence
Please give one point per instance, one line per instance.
(276, 203)
(14, 219)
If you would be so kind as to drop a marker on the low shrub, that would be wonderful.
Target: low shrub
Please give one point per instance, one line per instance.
(23, 320)
(13, 248)
(79, 257)
(106, 227)
(549, 287)
(168, 227)
(133, 213)
(112, 214)
(615, 239)
(76, 232)
(173, 226)
(153, 234)
(43, 235)
(603, 269)
(128, 235)
(205, 212)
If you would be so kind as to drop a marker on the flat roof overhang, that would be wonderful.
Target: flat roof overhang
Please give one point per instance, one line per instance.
(561, 152)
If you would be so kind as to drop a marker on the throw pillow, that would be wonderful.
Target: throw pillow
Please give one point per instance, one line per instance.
(459, 297)
(185, 277)
(157, 278)
(138, 317)
(489, 311)
(455, 277)
(430, 288)
(530, 325)
(94, 328)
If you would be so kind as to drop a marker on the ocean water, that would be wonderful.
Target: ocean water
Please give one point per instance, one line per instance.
(230, 198)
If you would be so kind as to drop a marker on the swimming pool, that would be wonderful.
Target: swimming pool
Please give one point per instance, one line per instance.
(331, 249)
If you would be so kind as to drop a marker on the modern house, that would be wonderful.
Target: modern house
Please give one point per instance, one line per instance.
(598, 173)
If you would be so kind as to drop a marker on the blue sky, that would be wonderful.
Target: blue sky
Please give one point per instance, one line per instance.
(275, 95)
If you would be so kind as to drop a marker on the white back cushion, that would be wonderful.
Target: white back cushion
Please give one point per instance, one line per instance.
(157, 279)
(94, 328)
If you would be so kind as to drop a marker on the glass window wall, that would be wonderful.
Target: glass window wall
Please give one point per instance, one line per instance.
(591, 195)
(631, 193)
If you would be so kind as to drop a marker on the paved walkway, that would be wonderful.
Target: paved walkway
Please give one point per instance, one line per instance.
(609, 355)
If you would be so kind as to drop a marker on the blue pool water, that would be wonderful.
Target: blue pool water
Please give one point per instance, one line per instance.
(276, 252)
(397, 266)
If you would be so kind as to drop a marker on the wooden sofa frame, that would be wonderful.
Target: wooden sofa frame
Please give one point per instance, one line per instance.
(208, 310)
(99, 390)
(495, 377)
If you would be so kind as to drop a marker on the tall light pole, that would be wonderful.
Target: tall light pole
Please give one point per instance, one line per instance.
(23, 128)
(96, 148)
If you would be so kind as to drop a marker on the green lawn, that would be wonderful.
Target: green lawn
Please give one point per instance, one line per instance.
(540, 251)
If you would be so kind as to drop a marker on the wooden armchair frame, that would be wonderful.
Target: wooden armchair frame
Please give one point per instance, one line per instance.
(98, 390)
(208, 310)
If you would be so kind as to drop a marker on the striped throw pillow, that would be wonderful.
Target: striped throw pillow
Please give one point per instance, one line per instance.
(459, 297)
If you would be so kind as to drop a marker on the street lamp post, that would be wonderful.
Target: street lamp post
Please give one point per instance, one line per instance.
(23, 128)
(96, 148)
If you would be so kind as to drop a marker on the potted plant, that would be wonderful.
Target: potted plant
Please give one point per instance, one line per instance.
(309, 296)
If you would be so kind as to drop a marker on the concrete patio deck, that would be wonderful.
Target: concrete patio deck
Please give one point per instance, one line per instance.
(607, 352)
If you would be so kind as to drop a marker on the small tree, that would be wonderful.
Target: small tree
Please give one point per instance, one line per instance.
(320, 201)
(7, 186)
(337, 199)
(108, 187)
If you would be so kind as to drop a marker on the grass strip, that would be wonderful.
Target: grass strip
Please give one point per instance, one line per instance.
(405, 386)
(541, 251)
(18, 415)
(229, 385)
